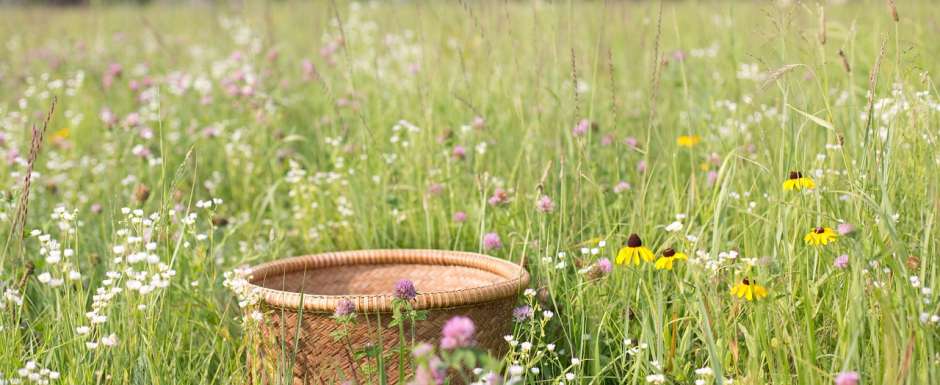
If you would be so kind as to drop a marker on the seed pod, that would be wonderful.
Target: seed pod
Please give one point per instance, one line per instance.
(141, 193)
(219, 221)
(894, 11)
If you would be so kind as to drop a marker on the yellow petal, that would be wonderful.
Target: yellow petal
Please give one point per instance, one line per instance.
(646, 254)
(760, 292)
(622, 255)
(750, 293)
(664, 263)
(807, 183)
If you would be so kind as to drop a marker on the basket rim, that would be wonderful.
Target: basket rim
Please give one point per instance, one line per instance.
(514, 279)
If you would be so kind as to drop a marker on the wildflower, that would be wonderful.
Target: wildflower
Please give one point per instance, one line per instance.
(847, 378)
(60, 135)
(422, 350)
(545, 204)
(434, 372)
(460, 217)
(478, 122)
(435, 189)
(631, 142)
(841, 262)
(845, 229)
(581, 128)
(641, 166)
(405, 289)
(110, 340)
(749, 290)
(457, 333)
(522, 313)
(669, 256)
(621, 187)
(491, 241)
(492, 379)
(459, 152)
(705, 371)
(674, 227)
(500, 197)
(601, 268)
(633, 251)
(711, 178)
(688, 141)
(820, 236)
(346, 307)
(797, 181)
(655, 379)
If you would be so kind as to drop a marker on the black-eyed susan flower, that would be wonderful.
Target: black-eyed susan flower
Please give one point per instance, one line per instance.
(820, 236)
(748, 290)
(688, 141)
(633, 251)
(796, 181)
(670, 255)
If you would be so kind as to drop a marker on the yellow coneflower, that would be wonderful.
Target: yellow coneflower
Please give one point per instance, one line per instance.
(669, 256)
(633, 251)
(820, 236)
(749, 290)
(797, 181)
(688, 140)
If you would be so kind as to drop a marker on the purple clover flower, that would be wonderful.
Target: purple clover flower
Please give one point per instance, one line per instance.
(405, 289)
(522, 313)
(344, 307)
(491, 241)
(457, 333)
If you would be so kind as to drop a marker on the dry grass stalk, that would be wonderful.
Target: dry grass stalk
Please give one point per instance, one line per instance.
(613, 86)
(574, 85)
(22, 205)
(872, 82)
(894, 11)
(822, 25)
(776, 74)
(654, 67)
(845, 61)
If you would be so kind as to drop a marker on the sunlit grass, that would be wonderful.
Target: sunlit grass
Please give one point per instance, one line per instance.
(346, 126)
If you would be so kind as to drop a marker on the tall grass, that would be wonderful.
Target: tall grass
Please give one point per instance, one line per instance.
(265, 131)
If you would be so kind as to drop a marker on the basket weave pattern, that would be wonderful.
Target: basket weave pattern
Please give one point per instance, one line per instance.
(299, 296)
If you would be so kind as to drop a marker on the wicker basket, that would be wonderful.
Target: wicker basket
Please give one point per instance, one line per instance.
(299, 296)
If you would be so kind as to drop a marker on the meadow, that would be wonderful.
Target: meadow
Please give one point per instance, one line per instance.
(786, 152)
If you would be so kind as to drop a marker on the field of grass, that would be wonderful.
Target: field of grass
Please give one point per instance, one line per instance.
(187, 141)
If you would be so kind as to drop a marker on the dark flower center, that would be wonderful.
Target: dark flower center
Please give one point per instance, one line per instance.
(746, 282)
(634, 241)
(796, 175)
(669, 252)
(820, 230)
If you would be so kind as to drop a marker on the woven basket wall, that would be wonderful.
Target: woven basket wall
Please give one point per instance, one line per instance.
(299, 296)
